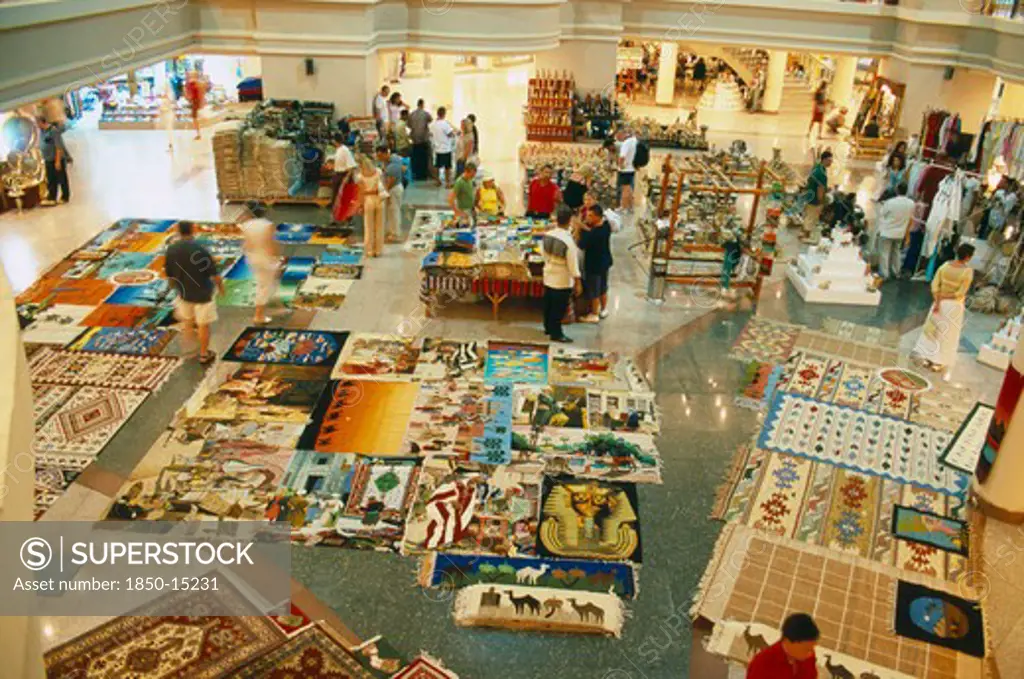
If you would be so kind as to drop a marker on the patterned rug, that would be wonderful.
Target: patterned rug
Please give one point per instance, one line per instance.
(117, 371)
(944, 406)
(841, 382)
(848, 330)
(124, 341)
(874, 355)
(754, 577)
(843, 510)
(859, 440)
(280, 345)
(765, 340)
(426, 667)
(195, 647)
(86, 421)
(313, 654)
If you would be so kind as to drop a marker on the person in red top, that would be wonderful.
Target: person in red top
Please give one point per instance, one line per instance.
(793, 656)
(543, 195)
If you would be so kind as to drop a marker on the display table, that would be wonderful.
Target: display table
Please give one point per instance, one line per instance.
(437, 290)
(833, 273)
(997, 351)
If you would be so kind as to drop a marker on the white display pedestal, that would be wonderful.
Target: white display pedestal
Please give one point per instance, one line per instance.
(997, 351)
(839, 268)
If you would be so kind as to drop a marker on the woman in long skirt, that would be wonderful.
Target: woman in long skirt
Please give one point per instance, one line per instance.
(940, 338)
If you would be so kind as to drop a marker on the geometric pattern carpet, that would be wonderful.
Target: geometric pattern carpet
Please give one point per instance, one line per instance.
(59, 366)
(312, 654)
(85, 422)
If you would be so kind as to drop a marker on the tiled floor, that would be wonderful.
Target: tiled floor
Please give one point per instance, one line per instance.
(681, 345)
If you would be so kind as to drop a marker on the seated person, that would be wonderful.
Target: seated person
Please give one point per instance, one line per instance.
(490, 201)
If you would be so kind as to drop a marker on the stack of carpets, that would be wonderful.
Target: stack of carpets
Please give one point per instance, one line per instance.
(227, 160)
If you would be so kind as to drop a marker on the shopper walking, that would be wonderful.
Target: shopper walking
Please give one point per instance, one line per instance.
(465, 146)
(894, 218)
(394, 178)
(940, 337)
(627, 172)
(195, 92)
(818, 110)
(476, 134)
(419, 133)
(379, 108)
(462, 197)
(543, 195)
(442, 135)
(815, 195)
(596, 243)
(561, 273)
(192, 272)
(263, 255)
(371, 197)
(56, 158)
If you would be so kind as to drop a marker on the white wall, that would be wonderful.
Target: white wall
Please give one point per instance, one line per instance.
(592, 63)
(346, 81)
(969, 93)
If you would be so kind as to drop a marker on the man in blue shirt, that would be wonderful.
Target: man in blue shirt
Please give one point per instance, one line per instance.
(56, 157)
(394, 170)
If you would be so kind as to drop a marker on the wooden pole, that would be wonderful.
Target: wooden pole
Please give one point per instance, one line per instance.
(675, 215)
(666, 171)
(757, 199)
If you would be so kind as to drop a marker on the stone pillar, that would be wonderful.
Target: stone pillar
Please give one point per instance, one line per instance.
(665, 94)
(1001, 465)
(842, 81)
(775, 80)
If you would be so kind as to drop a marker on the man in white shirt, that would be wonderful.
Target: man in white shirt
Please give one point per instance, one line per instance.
(561, 273)
(344, 163)
(894, 218)
(442, 136)
(380, 109)
(627, 173)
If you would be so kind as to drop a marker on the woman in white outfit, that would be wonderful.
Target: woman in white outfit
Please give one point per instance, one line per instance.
(264, 258)
(940, 338)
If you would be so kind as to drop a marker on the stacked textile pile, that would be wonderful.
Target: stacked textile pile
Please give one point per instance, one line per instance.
(227, 160)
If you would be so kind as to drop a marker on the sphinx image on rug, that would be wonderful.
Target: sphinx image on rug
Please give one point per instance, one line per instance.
(476, 511)
(934, 530)
(130, 341)
(258, 392)
(361, 416)
(116, 371)
(539, 609)
(454, 571)
(280, 345)
(345, 500)
(313, 654)
(939, 618)
(381, 357)
(520, 363)
(589, 519)
(451, 359)
(152, 642)
(87, 420)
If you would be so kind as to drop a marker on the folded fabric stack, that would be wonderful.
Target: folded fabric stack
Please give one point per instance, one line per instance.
(227, 160)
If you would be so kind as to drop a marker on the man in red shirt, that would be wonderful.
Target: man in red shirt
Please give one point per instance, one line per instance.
(543, 195)
(793, 656)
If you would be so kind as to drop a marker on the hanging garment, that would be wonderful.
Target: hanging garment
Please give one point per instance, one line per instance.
(945, 211)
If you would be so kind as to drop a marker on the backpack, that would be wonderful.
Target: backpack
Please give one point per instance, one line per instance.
(642, 155)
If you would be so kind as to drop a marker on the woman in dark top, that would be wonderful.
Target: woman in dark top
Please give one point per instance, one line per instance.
(575, 189)
(595, 241)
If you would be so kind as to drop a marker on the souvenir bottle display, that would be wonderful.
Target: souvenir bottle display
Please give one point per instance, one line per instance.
(549, 107)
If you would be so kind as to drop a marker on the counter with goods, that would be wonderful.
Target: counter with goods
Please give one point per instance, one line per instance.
(146, 115)
(497, 258)
(677, 135)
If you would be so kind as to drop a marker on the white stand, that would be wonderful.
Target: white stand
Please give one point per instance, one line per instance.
(997, 351)
(833, 273)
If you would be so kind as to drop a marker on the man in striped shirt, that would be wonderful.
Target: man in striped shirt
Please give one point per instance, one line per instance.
(561, 273)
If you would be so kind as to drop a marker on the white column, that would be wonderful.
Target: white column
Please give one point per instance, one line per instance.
(842, 81)
(775, 79)
(442, 81)
(997, 481)
(665, 94)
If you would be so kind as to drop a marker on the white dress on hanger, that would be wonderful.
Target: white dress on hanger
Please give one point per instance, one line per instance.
(946, 210)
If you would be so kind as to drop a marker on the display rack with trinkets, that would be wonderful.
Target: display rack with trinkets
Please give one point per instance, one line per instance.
(677, 135)
(549, 107)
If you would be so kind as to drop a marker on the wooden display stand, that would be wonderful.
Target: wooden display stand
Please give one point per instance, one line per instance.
(549, 108)
(706, 178)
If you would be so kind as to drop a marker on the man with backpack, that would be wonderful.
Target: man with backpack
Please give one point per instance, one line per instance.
(634, 154)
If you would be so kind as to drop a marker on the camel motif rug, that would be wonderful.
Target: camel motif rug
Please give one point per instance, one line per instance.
(116, 371)
(86, 421)
(312, 654)
(755, 577)
(539, 609)
(844, 510)
(874, 444)
(447, 571)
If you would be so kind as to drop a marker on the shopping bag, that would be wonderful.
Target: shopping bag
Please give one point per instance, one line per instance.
(345, 203)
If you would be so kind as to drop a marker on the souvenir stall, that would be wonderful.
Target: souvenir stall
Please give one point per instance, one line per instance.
(697, 232)
(940, 134)
(496, 259)
(677, 135)
(276, 154)
(549, 107)
(595, 116)
(588, 163)
(22, 170)
(882, 104)
(1000, 146)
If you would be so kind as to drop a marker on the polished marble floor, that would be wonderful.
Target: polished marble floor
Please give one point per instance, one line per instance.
(681, 345)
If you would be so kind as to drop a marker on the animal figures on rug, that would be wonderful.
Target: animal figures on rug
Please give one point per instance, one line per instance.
(755, 642)
(590, 519)
(587, 612)
(539, 609)
(552, 606)
(518, 363)
(524, 602)
(528, 574)
(836, 671)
